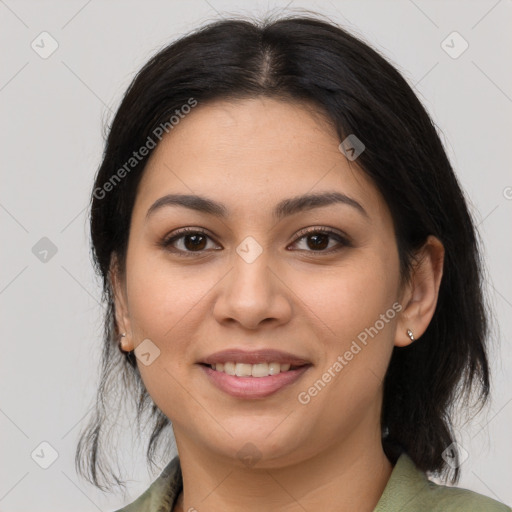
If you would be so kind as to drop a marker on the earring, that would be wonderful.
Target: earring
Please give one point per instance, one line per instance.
(120, 344)
(410, 334)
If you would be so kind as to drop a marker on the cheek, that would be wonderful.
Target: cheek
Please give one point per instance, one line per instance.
(353, 308)
(350, 298)
(164, 304)
(162, 295)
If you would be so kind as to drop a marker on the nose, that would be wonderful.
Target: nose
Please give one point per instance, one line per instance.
(253, 294)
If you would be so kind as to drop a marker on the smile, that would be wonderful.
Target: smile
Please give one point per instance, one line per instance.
(252, 387)
(252, 370)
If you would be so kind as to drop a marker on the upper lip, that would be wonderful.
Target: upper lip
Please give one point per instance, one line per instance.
(254, 357)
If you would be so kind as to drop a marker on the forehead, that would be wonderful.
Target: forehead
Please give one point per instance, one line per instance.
(252, 151)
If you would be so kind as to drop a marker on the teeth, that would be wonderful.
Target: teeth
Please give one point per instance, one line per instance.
(251, 370)
(260, 370)
(229, 368)
(243, 370)
(274, 368)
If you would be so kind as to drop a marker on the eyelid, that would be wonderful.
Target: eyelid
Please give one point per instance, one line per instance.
(176, 235)
(342, 239)
(323, 230)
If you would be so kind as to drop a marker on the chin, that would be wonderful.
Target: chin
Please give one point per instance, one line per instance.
(250, 447)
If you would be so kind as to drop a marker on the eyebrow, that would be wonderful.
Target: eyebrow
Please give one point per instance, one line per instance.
(283, 209)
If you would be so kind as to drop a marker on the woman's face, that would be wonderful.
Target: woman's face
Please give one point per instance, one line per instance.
(254, 280)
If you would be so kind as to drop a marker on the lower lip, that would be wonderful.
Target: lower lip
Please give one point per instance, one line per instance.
(253, 387)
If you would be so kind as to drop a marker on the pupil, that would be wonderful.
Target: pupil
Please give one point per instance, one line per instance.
(195, 244)
(320, 245)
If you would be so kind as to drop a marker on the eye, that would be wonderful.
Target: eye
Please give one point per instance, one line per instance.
(192, 240)
(195, 240)
(317, 239)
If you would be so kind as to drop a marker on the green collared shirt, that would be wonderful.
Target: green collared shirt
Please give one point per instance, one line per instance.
(408, 490)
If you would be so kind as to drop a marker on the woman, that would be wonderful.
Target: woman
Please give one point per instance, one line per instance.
(292, 277)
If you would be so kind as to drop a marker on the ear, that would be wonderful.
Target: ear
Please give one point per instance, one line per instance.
(419, 296)
(122, 316)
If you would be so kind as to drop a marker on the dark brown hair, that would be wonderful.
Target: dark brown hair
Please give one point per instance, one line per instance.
(304, 59)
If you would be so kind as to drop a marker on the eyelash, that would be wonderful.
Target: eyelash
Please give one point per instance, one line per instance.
(323, 230)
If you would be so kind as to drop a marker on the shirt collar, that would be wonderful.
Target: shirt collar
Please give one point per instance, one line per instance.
(406, 484)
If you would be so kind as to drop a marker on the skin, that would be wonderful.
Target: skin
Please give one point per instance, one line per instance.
(249, 155)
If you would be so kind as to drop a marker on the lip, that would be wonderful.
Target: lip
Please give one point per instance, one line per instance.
(254, 357)
(253, 387)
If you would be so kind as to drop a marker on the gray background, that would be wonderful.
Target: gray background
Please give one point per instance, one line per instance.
(53, 111)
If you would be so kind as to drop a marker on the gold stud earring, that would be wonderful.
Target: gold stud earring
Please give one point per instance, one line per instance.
(410, 334)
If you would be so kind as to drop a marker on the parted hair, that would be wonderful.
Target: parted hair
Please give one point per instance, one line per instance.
(303, 58)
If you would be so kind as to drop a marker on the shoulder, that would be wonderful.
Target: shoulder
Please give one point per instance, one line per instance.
(409, 490)
(161, 494)
(443, 498)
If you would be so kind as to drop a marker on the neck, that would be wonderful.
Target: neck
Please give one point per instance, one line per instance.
(352, 474)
